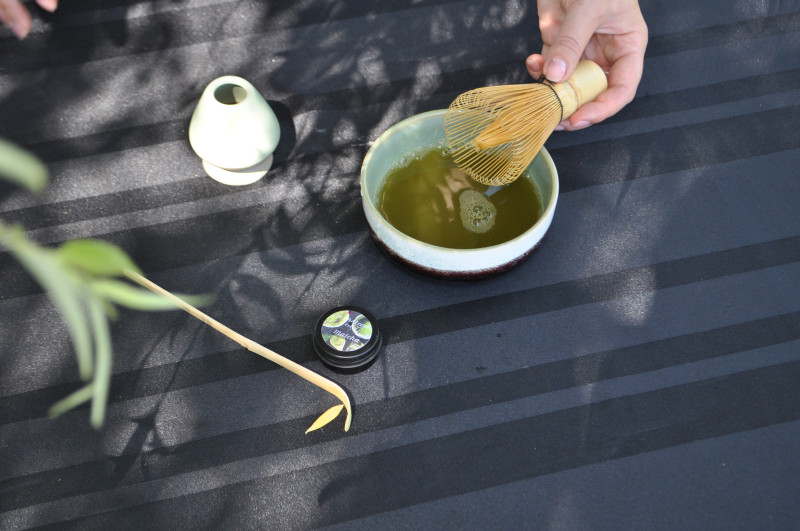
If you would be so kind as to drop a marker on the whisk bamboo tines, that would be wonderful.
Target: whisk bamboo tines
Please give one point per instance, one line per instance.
(495, 132)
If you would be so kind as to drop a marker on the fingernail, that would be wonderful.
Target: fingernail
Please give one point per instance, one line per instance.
(583, 123)
(555, 70)
(49, 5)
(559, 127)
(18, 29)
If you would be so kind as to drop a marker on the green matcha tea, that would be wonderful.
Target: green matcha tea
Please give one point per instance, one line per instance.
(427, 197)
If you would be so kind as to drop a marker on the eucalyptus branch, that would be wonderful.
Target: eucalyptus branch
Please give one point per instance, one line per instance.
(81, 278)
(60, 285)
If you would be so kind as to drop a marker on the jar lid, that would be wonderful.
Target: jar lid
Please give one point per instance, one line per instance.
(347, 337)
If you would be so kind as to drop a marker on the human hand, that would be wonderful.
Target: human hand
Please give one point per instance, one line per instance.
(14, 15)
(612, 33)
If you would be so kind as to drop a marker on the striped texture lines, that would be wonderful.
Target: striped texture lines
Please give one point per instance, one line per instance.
(639, 370)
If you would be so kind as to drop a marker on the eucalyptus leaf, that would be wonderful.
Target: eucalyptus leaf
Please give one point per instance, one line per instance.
(130, 296)
(111, 310)
(21, 167)
(84, 394)
(59, 285)
(102, 352)
(96, 257)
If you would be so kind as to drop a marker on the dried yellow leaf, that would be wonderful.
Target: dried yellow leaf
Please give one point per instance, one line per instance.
(326, 417)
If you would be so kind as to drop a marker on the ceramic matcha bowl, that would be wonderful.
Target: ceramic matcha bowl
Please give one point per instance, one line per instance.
(425, 130)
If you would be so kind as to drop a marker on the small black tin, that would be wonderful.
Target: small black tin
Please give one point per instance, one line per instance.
(347, 338)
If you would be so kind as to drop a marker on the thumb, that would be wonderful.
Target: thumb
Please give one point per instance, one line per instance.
(563, 54)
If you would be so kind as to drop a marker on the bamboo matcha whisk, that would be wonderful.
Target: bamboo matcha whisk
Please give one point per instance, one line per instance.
(495, 132)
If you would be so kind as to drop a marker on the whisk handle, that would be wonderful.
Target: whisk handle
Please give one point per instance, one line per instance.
(584, 85)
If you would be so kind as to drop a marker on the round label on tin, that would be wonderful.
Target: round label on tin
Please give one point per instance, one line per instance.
(346, 330)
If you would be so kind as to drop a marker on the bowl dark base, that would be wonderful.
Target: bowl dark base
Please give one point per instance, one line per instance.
(482, 274)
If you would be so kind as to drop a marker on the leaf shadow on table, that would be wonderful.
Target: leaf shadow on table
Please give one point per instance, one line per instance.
(657, 182)
(341, 81)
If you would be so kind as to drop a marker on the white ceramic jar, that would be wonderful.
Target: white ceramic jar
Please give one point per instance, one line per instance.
(234, 131)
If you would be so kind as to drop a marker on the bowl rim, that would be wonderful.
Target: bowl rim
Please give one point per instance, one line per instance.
(545, 218)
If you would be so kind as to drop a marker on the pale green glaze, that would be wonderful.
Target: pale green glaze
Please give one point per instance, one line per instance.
(234, 130)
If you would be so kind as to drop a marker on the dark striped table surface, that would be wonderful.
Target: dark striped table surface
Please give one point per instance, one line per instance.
(640, 370)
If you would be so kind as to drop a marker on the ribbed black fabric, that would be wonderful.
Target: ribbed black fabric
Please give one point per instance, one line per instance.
(639, 370)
